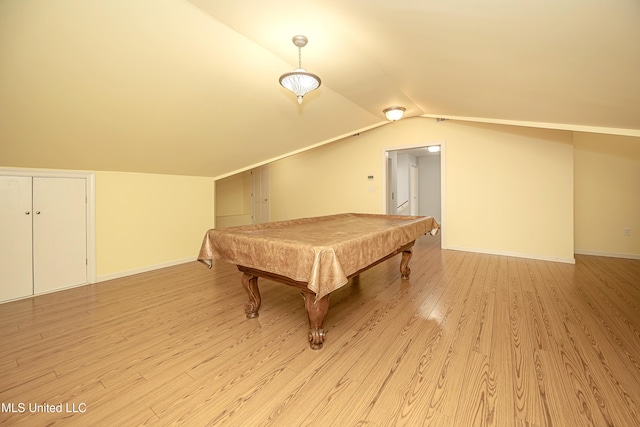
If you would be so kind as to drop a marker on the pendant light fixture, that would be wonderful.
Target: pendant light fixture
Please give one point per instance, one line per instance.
(299, 81)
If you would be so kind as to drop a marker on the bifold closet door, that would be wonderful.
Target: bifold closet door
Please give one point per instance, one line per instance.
(16, 271)
(59, 233)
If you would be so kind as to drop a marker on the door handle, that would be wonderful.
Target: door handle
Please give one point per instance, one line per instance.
(27, 213)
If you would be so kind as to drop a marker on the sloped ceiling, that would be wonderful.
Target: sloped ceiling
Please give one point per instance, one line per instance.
(191, 87)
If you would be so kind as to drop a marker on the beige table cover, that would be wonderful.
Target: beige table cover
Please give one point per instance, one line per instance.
(321, 251)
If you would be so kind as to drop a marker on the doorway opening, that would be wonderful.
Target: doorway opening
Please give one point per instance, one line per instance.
(414, 181)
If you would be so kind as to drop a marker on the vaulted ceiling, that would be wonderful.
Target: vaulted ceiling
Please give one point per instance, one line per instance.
(191, 86)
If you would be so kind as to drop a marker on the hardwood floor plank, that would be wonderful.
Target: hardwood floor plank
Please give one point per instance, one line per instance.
(525, 340)
(473, 408)
(486, 322)
(532, 310)
(458, 345)
(419, 401)
(358, 349)
(469, 339)
(422, 332)
(592, 387)
(128, 402)
(550, 307)
(610, 320)
(500, 361)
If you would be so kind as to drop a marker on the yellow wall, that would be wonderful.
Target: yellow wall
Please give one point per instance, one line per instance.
(326, 180)
(145, 220)
(509, 189)
(607, 194)
(233, 200)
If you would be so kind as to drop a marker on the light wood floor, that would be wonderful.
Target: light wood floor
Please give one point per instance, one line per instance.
(470, 339)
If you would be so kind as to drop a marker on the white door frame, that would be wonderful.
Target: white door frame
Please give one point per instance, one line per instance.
(91, 205)
(443, 186)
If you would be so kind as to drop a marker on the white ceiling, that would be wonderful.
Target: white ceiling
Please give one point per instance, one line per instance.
(567, 62)
(191, 86)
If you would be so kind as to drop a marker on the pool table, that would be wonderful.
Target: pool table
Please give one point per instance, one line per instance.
(316, 255)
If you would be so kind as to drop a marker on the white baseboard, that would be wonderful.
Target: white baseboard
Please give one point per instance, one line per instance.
(513, 254)
(608, 254)
(144, 269)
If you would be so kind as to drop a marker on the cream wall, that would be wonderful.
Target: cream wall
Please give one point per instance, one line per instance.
(146, 221)
(233, 200)
(509, 190)
(607, 194)
(326, 180)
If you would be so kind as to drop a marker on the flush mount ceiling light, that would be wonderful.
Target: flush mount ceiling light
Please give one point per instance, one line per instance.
(394, 113)
(299, 81)
(433, 148)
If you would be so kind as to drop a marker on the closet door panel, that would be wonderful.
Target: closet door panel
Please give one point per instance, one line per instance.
(16, 271)
(59, 230)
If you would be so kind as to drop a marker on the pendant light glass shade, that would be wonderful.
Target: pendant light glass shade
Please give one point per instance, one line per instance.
(299, 81)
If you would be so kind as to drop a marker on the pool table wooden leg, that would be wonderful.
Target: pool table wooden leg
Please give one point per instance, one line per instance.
(250, 284)
(405, 271)
(317, 310)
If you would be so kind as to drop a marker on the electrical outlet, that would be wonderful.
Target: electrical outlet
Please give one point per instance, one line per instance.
(627, 232)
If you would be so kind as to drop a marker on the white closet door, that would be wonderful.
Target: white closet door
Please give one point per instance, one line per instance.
(59, 233)
(16, 272)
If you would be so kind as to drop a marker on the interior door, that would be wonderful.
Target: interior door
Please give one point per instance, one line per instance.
(413, 190)
(59, 233)
(16, 269)
(260, 195)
